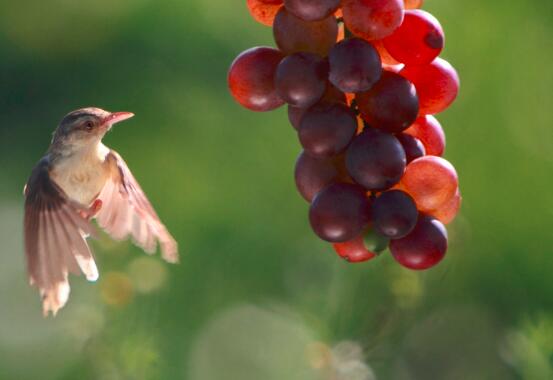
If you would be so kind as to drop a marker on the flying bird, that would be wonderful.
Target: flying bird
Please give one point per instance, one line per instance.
(77, 180)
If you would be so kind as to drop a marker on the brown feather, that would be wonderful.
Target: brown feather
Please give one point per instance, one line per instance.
(54, 238)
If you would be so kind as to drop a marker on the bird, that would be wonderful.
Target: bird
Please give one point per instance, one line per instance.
(80, 179)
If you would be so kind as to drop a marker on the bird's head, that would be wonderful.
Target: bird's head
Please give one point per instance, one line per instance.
(86, 126)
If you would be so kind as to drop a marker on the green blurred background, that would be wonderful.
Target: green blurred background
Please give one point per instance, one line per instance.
(256, 295)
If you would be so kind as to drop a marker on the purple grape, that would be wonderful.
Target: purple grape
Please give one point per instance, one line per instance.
(312, 10)
(394, 214)
(355, 65)
(375, 160)
(300, 79)
(391, 104)
(412, 146)
(326, 129)
(314, 174)
(339, 212)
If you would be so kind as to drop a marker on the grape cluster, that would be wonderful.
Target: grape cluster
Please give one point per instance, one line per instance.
(362, 80)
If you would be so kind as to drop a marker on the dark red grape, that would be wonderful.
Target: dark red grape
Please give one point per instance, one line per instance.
(314, 174)
(251, 79)
(332, 95)
(294, 35)
(375, 160)
(419, 39)
(372, 19)
(391, 104)
(301, 79)
(354, 251)
(424, 247)
(412, 146)
(355, 65)
(312, 10)
(339, 212)
(429, 131)
(326, 129)
(264, 11)
(437, 85)
(394, 214)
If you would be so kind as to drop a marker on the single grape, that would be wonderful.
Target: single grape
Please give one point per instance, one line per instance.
(412, 146)
(339, 212)
(424, 247)
(332, 95)
(385, 56)
(294, 35)
(429, 131)
(314, 174)
(312, 10)
(437, 85)
(375, 160)
(301, 79)
(413, 4)
(419, 39)
(394, 214)
(355, 65)
(448, 211)
(326, 129)
(375, 242)
(251, 79)
(372, 19)
(354, 251)
(264, 11)
(431, 181)
(391, 104)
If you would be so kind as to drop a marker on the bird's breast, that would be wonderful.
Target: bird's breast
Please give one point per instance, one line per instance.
(81, 177)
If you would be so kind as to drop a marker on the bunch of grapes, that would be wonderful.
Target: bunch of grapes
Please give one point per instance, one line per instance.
(363, 81)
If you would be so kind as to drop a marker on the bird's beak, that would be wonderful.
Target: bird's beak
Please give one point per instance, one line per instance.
(117, 117)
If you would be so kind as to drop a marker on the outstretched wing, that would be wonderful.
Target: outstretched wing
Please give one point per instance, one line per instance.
(55, 239)
(126, 211)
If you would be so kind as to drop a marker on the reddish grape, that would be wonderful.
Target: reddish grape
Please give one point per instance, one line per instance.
(413, 4)
(431, 181)
(437, 85)
(314, 174)
(429, 131)
(424, 247)
(375, 160)
(251, 79)
(301, 79)
(412, 146)
(372, 19)
(294, 35)
(264, 11)
(332, 95)
(419, 39)
(312, 10)
(355, 65)
(326, 129)
(354, 251)
(394, 214)
(339, 212)
(391, 104)
(448, 211)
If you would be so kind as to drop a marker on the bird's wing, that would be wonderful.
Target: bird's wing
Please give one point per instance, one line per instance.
(126, 211)
(55, 238)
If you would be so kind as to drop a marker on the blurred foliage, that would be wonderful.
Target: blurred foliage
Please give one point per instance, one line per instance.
(256, 294)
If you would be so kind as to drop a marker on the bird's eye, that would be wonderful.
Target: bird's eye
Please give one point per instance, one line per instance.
(88, 125)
